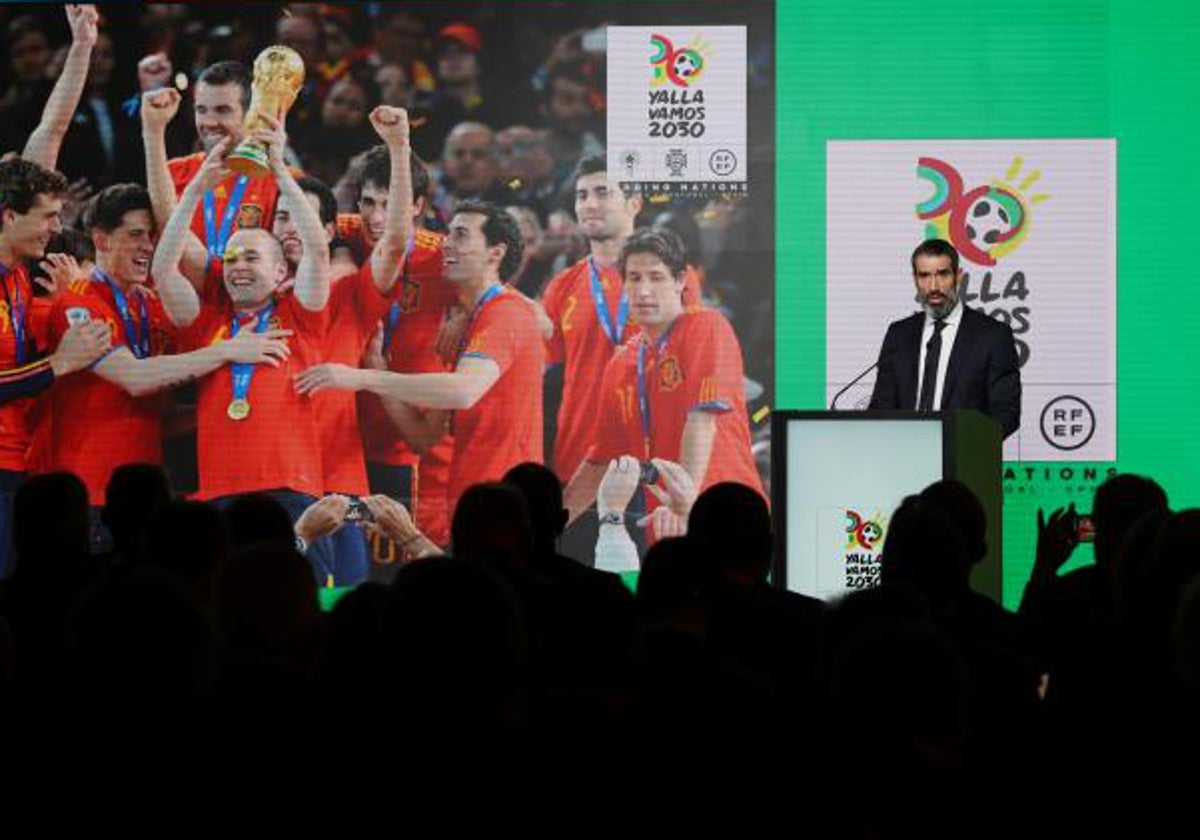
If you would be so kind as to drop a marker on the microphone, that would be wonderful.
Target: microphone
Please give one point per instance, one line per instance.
(851, 384)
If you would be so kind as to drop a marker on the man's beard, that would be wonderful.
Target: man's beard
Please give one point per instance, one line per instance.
(941, 310)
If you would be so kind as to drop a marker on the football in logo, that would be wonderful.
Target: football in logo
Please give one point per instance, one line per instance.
(862, 532)
(687, 64)
(987, 222)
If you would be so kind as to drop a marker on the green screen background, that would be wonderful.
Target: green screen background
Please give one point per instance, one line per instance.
(1068, 68)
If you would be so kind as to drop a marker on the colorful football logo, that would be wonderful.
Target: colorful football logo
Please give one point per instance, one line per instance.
(681, 67)
(985, 222)
(862, 532)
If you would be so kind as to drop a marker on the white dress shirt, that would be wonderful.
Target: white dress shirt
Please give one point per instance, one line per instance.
(949, 333)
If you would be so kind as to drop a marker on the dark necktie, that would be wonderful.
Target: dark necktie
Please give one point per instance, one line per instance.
(933, 350)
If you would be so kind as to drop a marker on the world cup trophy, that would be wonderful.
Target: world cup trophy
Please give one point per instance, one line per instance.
(278, 77)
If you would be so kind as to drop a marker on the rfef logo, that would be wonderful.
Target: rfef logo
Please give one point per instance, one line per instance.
(1068, 423)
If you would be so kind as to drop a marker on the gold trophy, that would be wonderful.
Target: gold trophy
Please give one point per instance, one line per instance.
(278, 77)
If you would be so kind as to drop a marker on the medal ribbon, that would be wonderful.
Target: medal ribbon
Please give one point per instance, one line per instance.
(614, 331)
(243, 373)
(488, 296)
(139, 338)
(216, 240)
(643, 394)
(16, 314)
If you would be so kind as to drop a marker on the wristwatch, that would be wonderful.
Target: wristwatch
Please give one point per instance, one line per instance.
(612, 518)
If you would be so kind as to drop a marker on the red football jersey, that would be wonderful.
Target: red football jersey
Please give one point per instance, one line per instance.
(92, 426)
(355, 307)
(411, 325)
(584, 340)
(17, 348)
(504, 428)
(696, 366)
(255, 208)
(278, 444)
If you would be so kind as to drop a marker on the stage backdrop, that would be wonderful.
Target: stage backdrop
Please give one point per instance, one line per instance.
(974, 91)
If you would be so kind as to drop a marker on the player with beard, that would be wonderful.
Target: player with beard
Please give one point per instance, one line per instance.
(948, 356)
(589, 310)
(222, 95)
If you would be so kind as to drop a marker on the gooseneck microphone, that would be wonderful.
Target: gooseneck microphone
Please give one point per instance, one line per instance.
(851, 384)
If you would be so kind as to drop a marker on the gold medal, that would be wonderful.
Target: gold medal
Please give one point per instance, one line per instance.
(239, 409)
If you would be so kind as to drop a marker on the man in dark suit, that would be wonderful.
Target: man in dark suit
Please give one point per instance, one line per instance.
(948, 356)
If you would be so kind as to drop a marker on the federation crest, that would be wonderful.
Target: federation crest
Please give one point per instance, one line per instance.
(670, 376)
(410, 297)
(249, 216)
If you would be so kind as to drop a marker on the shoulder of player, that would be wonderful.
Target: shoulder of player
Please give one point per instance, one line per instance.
(515, 301)
(74, 298)
(427, 239)
(706, 321)
(186, 163)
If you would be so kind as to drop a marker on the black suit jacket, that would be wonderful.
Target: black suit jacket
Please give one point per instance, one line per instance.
(982, 372)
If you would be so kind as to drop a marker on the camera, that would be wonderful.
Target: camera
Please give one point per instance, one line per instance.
(1083, 527)
(649, 472)
(358, 511)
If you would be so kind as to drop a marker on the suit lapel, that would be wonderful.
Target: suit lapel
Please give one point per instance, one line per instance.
(911, 375)
(962, 347)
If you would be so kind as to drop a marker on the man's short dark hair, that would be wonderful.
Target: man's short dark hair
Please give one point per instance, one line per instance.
(22, 181)
(328, 203)
(935, 248)
(499, 227)
(662, 243)
(108, 208)
(377, 170)
(580, 70)
(589, 165)
(228, 73)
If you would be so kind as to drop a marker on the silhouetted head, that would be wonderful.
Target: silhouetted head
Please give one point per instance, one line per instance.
(1120, 501)
(189, 540)
(134, 492)
(964, 509)
(543, 493)
(731, 523)
(924, 549)
(492, 517)
(267, 608)
(51, 520)
(256, 517)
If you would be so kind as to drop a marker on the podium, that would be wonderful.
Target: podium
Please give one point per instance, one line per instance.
(837, 476)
